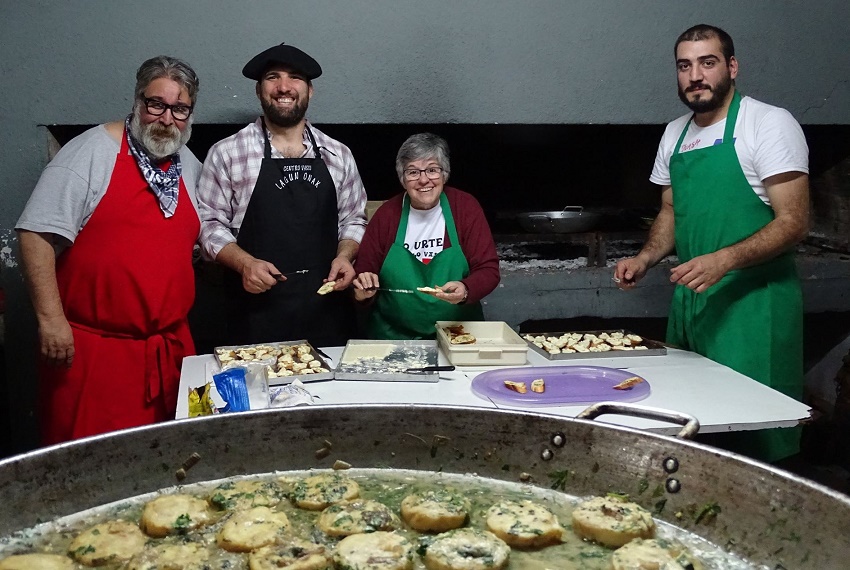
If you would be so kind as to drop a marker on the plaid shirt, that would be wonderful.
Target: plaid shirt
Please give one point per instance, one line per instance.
(230, 173)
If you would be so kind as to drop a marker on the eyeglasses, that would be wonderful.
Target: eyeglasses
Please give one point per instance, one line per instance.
(156, 108)
(432, 172)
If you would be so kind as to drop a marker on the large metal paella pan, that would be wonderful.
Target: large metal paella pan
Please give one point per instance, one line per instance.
(766, 515)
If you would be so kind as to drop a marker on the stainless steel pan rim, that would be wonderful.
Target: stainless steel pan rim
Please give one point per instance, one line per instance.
(763, 514)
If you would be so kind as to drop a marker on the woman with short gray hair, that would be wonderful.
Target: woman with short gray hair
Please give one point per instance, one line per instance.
(428, 254)
(423, 146)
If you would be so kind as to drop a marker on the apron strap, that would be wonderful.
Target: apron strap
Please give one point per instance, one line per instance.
(732, 118)
(402, 223)
(267, 146)
(125, 146)
(451, 228)
(313, 142)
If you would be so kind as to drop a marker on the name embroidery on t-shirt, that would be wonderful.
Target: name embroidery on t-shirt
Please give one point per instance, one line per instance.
(691, 145)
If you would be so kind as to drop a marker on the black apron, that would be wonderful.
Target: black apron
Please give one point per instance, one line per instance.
(292, 222)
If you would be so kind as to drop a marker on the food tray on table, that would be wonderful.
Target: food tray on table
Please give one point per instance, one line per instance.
(388, 360)
(614, 343)
(559, 386)
(286, 360)
(481, 343)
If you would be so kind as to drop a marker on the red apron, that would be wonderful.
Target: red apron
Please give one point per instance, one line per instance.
(126, 285)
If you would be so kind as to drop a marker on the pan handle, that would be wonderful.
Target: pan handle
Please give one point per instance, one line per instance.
(690, 422)
(578, 209)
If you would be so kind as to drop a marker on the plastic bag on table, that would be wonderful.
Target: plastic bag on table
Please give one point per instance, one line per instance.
(243, 386)
(201, 402)
(289, 395)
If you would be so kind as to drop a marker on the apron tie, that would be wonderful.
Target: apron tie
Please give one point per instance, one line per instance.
(163, 349)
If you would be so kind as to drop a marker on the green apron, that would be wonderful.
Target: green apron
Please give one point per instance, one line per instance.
(412, 316)
(752, 319)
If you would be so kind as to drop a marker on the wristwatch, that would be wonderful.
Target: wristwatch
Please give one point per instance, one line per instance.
(465, 294)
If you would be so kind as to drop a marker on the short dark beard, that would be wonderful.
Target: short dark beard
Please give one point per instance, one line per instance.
(284, 119)
(718, 97)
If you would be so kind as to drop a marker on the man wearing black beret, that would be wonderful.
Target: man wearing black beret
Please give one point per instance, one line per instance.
(283, 206)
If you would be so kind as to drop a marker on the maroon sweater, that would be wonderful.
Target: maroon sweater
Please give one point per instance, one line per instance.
(476, 241)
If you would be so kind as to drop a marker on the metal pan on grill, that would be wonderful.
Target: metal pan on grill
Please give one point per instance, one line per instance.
(572, 219)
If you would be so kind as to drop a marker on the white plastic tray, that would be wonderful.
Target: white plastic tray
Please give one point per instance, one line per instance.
(496, 344)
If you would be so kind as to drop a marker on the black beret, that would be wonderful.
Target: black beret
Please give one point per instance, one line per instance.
(282, 54)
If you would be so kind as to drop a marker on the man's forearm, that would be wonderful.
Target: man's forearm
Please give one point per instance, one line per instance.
(39, 264)
(789, 197)
(234, 257)
(772, 240)
(662, 237)
(348, 249)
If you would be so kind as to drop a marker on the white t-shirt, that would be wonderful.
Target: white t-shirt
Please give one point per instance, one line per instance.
(768, 141)
(426, 230)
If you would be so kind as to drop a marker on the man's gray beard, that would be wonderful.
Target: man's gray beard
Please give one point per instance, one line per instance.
(158, 148)
(275, 117)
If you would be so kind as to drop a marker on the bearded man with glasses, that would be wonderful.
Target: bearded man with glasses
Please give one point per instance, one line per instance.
(428, 254)
(106, 243)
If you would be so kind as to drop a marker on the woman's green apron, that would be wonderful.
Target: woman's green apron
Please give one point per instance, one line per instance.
(412, 316)
(751, 320)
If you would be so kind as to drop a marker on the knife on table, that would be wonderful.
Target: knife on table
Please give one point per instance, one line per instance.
(425, 369)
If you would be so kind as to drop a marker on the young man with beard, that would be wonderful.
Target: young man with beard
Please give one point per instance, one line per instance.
(282, 206)
(106, 243)
(735, 195)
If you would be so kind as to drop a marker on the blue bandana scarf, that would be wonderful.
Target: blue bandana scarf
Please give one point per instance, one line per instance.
(165, 185)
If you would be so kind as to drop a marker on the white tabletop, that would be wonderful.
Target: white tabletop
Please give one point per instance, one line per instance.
(720, 398)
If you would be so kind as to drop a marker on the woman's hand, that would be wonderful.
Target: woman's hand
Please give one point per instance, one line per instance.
(453, 292)
(365, 286)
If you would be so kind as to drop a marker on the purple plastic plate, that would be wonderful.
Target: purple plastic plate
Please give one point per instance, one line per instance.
(565, 385)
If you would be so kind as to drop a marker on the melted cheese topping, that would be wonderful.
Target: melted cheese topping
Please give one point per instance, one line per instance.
(235, 495)
(612, 522)
(248, 530)
(320, 491)
(467, 549)
(291, 554)
(375, 551)
(37, 562)
(170, 557)
(107, 543)
(524, 525)
(435, 511)
(344, 519)
(174, 514)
